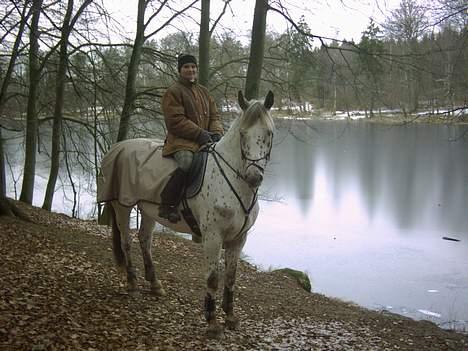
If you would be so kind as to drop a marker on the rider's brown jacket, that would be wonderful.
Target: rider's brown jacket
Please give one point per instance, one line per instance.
(188, 108)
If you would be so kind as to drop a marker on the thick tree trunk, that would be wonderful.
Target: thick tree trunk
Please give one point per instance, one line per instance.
(2, 165)
(27, 188)
(130, 89)
(204, 44)
(58, 110)
(4, 90)
(5, 207)
(8, 208)
(257, 48)
(68, 24)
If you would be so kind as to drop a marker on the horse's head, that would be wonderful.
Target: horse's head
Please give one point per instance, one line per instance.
(256, 137)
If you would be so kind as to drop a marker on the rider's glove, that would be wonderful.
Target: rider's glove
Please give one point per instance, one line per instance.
(204, 138)
(215, 136)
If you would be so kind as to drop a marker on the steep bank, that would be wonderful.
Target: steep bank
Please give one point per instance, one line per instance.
(60, 290)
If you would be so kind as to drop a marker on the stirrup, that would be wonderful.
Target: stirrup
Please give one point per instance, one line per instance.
(170, 213)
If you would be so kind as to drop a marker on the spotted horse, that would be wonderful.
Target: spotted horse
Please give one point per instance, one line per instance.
(225, 208)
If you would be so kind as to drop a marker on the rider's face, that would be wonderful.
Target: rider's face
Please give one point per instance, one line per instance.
(189, 71)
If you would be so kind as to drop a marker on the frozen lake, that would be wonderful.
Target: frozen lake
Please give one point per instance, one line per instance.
(364, 209)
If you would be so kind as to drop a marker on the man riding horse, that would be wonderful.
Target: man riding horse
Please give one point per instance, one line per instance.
(192, 120)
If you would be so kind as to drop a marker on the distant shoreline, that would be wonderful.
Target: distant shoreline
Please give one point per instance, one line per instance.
(384, 118)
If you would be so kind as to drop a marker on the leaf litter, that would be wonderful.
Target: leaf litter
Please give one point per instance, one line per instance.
(60, 291)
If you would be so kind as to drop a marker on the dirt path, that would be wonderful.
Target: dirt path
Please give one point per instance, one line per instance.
(59, 290)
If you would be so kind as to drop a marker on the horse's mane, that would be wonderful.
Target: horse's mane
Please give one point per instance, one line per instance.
(256, 111)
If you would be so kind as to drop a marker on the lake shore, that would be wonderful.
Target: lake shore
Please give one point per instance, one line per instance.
(60, 290)
(386, 117)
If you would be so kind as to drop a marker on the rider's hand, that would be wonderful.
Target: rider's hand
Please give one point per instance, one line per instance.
(204, 138)
(215, 136)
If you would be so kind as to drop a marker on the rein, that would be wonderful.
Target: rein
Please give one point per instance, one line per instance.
(216, 154)
(247, 210)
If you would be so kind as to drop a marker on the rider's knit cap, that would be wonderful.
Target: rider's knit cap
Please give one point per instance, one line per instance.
(183, 59)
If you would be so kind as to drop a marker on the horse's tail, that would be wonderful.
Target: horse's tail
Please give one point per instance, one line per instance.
(119, 255)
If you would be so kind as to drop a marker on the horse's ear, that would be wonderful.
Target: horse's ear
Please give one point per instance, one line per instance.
(242, 103)
(269, 100)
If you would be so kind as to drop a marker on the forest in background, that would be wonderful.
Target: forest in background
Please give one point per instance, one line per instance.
(59, 70)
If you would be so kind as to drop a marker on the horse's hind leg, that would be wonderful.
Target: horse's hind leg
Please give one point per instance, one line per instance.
(145, 236)
(122, 243)
(232, 254)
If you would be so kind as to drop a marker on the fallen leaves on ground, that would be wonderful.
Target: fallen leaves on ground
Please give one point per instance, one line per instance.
(60, 291)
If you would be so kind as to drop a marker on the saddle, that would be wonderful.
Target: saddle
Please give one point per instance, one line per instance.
(196, 174)
(195, 178)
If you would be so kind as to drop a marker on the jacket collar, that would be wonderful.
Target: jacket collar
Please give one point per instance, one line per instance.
(187, 83)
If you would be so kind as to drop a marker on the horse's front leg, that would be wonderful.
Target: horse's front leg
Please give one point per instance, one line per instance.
(232, 254)
(212, 248)
(145, 236)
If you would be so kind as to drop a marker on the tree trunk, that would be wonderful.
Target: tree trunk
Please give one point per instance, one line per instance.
(58, 110)
(130, 89)
(27, 188)
(204, 44)
(2, 165)
(8, 208)
(3, 94)
(257, 48)
(67, 27)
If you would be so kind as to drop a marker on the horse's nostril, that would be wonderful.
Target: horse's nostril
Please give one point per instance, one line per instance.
(255, 180)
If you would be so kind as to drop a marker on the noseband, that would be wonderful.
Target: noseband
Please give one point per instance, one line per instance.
(254, 161)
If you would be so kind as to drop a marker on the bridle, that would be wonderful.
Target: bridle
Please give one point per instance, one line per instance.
(252, 162)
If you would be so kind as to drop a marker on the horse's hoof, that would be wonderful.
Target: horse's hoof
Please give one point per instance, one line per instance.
(133, 292)
(215, 332)
(157, 288)
(232, 323)
(158, 292)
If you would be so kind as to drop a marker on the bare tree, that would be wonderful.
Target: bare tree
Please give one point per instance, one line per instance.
(128, 107)
(407, 24)
(205, 38)
(6, 206)
(69, 22)
(27, 188)
(451, 13)
(204, 43)
(257, 50)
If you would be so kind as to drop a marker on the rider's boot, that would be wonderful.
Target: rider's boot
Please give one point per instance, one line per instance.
(171, 196)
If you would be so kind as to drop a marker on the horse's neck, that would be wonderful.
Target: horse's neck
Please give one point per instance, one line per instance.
(229, 146)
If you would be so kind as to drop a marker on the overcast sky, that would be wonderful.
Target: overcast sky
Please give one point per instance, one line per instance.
(340, 19)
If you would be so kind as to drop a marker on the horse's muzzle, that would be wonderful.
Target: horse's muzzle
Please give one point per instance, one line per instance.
(254, 176)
